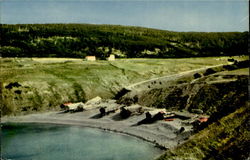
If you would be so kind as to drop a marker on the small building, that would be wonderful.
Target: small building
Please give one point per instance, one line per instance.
(203, 119)
(111, 57)
(90, 58)
(72, 107)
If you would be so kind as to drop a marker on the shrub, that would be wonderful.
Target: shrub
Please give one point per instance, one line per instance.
(230, 60)
(10, 51)
(230, 67)
(209, 71)
(197, 75)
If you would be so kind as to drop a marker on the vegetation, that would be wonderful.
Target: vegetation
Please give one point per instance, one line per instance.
(41, 84)
(227, 138)
(202, 90)
(220, 98)
(223, 95)
(79, 40)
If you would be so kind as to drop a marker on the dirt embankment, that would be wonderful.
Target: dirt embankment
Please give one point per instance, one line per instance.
(203, 90)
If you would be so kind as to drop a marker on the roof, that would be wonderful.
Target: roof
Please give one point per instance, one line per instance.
(203, 119)
(73, 106)
(66, 104)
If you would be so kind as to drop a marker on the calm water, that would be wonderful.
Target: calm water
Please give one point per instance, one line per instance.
(62, 142)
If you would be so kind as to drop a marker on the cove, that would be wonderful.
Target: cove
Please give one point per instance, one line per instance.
(53, 142)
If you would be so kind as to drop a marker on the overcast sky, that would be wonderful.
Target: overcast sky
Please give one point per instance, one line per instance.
(174, 15)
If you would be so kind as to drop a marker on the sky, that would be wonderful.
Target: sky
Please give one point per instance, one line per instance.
(173, 15)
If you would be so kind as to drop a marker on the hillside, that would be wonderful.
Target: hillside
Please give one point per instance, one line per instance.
(227, 138)
(41, 84)
(79, 40)
(220, 93)
(202, 89)
(215, 88)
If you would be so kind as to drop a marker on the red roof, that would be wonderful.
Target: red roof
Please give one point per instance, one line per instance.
(66, 104)
(203, 119)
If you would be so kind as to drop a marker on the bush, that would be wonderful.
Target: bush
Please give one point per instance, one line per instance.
(209, 71)
(197, 75)
(9, 51)
(230, 60)
(243, 64)
(230, 67)
(121, 93)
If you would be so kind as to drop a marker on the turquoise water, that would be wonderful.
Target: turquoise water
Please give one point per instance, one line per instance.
(62, 142)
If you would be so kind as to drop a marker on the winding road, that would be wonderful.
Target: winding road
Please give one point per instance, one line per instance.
(171, 77)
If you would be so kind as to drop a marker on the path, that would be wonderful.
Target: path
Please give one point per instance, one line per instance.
(171, 77)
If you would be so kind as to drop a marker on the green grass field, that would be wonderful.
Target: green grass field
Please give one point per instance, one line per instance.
(48, 82)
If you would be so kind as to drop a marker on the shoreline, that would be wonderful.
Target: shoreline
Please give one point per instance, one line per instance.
(93, 127)
(163, 135)
(162, 149)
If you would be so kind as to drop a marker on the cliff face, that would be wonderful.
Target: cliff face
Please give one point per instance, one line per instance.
(207, 94)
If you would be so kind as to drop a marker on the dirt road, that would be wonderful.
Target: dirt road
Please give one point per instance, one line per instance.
(171, 77)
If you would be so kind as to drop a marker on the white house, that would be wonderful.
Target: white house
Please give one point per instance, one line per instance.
(90, 58)
(111, 57)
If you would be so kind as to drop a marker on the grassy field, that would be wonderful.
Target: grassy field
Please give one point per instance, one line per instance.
(48, 82)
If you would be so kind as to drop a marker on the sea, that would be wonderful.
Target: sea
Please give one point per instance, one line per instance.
(34, 141)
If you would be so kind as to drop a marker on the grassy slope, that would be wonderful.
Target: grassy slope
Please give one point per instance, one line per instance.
(186, 92)
(46, 83)
(226, 139)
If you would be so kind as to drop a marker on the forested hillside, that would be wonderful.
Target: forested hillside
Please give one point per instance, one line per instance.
(79, 40)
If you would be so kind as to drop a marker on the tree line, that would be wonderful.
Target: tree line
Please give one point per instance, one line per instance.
(79, 40)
